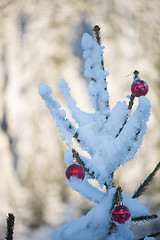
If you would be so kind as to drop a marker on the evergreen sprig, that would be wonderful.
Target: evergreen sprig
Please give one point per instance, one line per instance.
(10, 226)
(144, 218)
(130, 104)
(152, 235)
(117, 199)
(80, 161)
(96, 29)
(146, 182)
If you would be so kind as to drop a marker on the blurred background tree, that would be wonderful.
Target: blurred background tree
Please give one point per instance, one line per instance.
(40, 42)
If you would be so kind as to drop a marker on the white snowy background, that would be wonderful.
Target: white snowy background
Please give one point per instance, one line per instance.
(40, 42)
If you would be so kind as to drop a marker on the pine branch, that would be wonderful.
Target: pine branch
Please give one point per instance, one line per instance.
(76, 137)
(131, 102)
(81, 117)
(10, 226)
(59, 115)
(135, 139)
(112, 228)
(97, 29)
(146, 182)
(144, 218)
(117, 199)
(80, 161)
(152, 235)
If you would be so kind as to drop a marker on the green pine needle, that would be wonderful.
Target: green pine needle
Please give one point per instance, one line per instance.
(146, 182)
(144, 218)
(10, 226)
(79, 160)
(117, 199)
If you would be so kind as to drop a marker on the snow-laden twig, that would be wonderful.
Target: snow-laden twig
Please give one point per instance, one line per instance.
(144, 218)
(132, 134)
(81, 117)
(93, 52)
(66, 128)
(86, 189)
(117, 118)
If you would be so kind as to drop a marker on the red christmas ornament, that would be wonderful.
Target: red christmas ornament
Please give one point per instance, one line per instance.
(139, 88)
(75, 170)
(120, 214)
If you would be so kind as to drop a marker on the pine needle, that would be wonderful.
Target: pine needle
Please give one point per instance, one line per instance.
(80, 161)
(144, 218)
(131, 102)
(10, 226)
(96, 29)
(146, 182)
(117, 199)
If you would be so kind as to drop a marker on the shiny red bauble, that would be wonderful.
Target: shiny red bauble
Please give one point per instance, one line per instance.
(120, 214)
(139, 88)
(75, 170)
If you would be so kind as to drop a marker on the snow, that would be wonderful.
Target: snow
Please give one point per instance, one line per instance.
(95, 225)
(111, 138)
(86, 189)
(149, 238)
(80, 116)
(44, 89)
(87, 41)
(66, 128)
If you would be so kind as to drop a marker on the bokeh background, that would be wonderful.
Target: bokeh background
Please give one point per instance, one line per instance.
(40, 42)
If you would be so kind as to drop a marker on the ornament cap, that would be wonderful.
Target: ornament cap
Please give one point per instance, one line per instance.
(136, 74)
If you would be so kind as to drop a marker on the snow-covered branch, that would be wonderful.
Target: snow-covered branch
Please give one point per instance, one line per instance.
(86, 189)
(66, 128)
(93, 52)
(132, 134)
(81, 117)
(111, 139)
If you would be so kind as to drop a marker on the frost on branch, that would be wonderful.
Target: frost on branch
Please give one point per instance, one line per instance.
(110, 137)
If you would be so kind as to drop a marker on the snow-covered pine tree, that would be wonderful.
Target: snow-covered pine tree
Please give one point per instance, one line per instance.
(111, 138)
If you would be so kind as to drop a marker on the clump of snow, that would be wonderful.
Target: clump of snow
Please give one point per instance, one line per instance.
(95, 225)
(86, 189)
(87, 41)
(134, 205)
